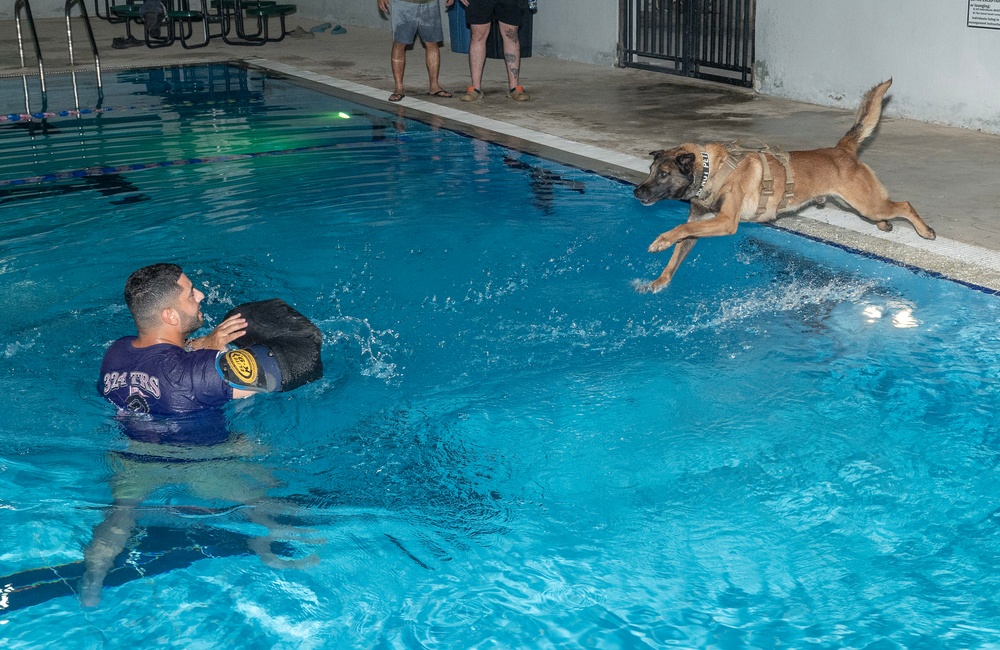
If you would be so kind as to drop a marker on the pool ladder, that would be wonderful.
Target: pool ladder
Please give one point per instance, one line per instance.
(24, 5)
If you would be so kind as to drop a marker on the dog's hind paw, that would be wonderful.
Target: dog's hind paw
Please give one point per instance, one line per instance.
(640, 286)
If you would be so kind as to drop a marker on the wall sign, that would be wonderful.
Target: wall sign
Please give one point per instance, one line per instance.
(984, 13)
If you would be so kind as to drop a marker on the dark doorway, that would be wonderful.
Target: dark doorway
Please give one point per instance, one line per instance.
(707, 39)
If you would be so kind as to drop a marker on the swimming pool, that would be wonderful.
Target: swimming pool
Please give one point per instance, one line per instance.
(791, 446)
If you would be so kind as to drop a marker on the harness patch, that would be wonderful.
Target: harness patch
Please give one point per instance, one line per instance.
(243, 365)
(254, 368)
(705, 172)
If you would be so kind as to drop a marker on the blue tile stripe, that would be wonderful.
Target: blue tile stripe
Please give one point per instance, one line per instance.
(207, 160)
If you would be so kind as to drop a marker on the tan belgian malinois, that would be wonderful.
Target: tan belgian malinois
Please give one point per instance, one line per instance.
(726, 184)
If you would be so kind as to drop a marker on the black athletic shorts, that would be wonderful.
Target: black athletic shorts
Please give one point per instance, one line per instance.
(481, 12)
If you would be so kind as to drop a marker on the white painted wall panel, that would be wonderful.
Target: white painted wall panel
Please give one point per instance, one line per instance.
(831, 52)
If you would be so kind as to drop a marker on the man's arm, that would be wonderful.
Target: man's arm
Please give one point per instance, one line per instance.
(225, 332)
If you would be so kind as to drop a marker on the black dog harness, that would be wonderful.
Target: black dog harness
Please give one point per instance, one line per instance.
(737, 152)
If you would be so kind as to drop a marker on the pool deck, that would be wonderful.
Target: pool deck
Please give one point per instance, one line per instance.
(608, 119)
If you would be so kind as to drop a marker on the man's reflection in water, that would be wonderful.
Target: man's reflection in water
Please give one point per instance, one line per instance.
(543, 183)
(197, 456)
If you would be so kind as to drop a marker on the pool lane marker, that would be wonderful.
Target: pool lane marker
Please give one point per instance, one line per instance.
(943, 247)
(90, 172)
(37, 117)
(81, 112)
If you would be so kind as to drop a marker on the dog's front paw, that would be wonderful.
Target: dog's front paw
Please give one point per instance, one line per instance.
(660, 244)
(648, 287)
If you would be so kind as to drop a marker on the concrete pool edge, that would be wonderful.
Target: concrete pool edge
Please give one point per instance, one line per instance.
(973, 265)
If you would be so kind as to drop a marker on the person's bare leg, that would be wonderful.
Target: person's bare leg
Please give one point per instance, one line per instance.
(264, 513)
(398, 58)
(433, 56)
(511, 54)
(109, 541)
(477, 53)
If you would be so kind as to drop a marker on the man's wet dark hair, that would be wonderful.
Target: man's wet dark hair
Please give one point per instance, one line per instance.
(149, 290)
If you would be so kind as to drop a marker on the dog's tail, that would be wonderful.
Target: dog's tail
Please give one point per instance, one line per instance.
(868, 115)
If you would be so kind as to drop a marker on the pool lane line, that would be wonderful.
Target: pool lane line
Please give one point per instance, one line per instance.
(950, 249)
(81, 112)
(162, 549)
(90, 172)
(38, 117)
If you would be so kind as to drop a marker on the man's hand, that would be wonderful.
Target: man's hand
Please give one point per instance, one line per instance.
(383, 5)
(226, 332)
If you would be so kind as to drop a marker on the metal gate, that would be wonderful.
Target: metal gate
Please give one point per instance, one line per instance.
(708, 39)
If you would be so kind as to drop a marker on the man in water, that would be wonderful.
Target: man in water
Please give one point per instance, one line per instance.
(168, 390)
(161, 371)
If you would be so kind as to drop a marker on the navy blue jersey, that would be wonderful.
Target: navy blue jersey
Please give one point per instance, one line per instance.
(161, 379)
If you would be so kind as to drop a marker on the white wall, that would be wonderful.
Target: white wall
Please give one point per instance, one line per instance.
(360, 13)
(577, 30)
(831, 52)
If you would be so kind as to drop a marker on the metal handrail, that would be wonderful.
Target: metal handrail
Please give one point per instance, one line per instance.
(23, 4)
(90, 35)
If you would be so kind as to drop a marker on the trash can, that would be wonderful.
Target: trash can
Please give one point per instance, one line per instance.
(457, 29)
(459, 32)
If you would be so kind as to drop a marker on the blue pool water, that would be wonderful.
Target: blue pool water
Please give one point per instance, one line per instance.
(791, 446)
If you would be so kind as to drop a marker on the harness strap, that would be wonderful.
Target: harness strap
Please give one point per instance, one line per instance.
(737, 153)
(766, 185)
(783, 158)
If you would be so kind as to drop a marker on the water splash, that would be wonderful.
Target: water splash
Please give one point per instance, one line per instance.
(375, 348)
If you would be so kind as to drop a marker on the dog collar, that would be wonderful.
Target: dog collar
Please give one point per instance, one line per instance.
(704, 174)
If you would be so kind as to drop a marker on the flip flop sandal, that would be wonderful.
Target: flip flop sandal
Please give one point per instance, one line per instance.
(395, 97)
(441, 93)
(322, 27)
(338, 30)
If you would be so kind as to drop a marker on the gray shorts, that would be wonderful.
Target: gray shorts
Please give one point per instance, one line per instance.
(412, 18)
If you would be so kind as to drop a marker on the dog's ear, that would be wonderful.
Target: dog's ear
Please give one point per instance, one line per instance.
(657, 153)
(685, 163)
